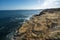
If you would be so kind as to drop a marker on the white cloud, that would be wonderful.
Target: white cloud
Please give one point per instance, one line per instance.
(50, 4)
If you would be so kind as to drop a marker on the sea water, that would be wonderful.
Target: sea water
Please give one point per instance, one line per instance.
(10, 20)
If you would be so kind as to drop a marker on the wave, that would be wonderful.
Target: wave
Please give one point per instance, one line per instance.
(12, 20)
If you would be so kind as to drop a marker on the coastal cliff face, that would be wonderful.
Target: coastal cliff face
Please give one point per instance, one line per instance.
(44, 26)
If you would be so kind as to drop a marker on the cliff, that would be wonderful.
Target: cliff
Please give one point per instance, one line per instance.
(44, 26)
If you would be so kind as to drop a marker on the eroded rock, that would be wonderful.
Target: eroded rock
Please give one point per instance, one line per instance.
(41, 27)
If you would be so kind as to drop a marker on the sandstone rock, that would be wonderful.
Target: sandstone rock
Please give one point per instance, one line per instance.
(45, 26)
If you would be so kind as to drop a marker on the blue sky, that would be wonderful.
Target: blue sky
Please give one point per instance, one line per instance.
(28, 4)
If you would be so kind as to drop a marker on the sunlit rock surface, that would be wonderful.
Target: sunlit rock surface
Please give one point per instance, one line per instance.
(44, 26)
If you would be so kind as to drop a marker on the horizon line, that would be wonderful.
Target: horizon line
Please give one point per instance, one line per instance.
(29, 9)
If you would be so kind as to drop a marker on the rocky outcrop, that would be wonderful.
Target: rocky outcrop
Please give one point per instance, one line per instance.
(44, 26)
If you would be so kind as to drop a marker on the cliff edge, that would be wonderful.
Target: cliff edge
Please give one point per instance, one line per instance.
(44, 26)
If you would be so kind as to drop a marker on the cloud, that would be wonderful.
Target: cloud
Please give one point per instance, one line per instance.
(50, 4)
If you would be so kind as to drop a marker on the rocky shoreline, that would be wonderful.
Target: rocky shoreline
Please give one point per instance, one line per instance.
(44, 26)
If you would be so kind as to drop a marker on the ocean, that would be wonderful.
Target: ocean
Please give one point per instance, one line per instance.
(11, 20)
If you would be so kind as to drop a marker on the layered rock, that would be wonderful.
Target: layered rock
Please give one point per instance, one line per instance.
(44, 26)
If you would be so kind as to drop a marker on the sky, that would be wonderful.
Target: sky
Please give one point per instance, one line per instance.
(28, 4)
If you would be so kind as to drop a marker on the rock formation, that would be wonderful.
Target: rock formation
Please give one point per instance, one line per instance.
(44, 26)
